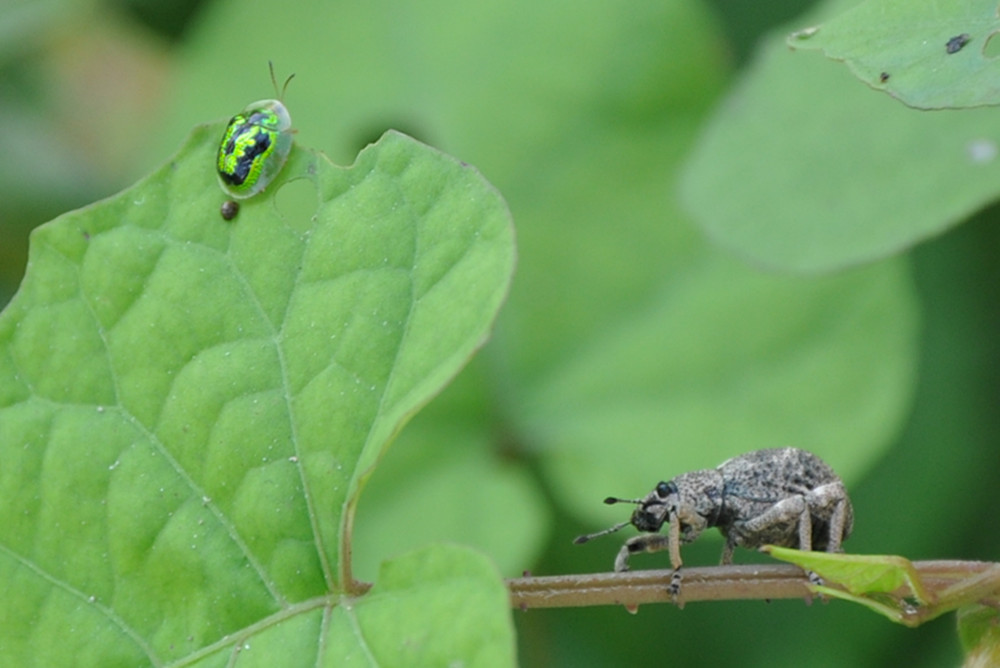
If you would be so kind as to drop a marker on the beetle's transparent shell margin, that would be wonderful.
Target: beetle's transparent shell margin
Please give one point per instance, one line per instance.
(254, 148)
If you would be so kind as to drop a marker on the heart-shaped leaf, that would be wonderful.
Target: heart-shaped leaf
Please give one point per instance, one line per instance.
(189, 408)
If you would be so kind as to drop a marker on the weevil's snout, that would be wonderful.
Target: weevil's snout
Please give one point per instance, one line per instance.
(650, 518)
(655, 509)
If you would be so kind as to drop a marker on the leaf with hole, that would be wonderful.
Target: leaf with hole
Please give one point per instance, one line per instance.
(820, 173)
(929, 55)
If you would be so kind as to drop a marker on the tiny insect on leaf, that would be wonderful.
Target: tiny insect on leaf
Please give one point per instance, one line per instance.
(255, 146)
(957, 43)
(229, 209)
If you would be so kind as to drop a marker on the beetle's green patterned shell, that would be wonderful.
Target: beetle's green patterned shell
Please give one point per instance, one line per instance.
(254, 148)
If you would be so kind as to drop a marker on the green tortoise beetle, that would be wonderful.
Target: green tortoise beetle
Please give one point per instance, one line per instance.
(255, 145)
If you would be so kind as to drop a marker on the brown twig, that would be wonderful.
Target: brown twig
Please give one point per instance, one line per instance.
(719, 583)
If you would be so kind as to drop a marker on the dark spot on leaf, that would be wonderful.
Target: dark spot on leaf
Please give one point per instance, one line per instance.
(957, 43)
(230, 209)
(883, 77)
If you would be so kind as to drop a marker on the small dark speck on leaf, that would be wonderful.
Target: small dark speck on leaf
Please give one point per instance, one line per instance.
(230, 209)
(957, 43)
(883, 77)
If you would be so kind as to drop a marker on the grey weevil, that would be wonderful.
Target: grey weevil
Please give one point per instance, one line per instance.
(782, 496)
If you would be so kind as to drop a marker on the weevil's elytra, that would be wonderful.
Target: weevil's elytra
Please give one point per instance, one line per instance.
(255, 146)
(784, 496)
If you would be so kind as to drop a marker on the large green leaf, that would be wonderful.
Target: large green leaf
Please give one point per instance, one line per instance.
(722, 361)
(189, 407)
(929, 55)
(803, 169)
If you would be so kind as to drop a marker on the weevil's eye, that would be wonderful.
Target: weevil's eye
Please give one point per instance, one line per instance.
(665, 489)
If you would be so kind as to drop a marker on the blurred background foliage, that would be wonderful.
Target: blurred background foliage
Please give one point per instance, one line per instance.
(631, 350)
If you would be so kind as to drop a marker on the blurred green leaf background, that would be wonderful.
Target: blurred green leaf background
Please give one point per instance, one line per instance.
(632, 347)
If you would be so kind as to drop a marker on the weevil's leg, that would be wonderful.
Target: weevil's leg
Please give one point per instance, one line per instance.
(830, 500)
(805, 529)
(652, 542)
(805, 543)
(783, 512)
(674, 588)
(793, 508)
(621, 560)
(822, 498)
(833, 498)
(674, 532)
(655, 542)
(727, 551)
(647, 542)
(837, 521)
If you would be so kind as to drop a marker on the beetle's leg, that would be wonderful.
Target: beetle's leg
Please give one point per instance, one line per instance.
(674, 588)
(805, 528)
(794, 508)
(674, 532)
(727, 551)
(805, 542)
(656, 542)
(653, 542)
(647, 542)
(837, 521)
(783, 512)
(829, 500)
(831, 497)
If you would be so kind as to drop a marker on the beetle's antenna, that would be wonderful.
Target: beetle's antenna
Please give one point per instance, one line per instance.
(285, 87)
(579, 540)
(614, 499)
(610, 500)
(274, 80)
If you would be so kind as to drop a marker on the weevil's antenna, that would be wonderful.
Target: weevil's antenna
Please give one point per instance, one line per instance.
(614, 499)
(610, 500)
(579, 540)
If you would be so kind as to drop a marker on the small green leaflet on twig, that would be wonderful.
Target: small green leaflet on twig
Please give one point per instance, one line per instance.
(893, 586)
